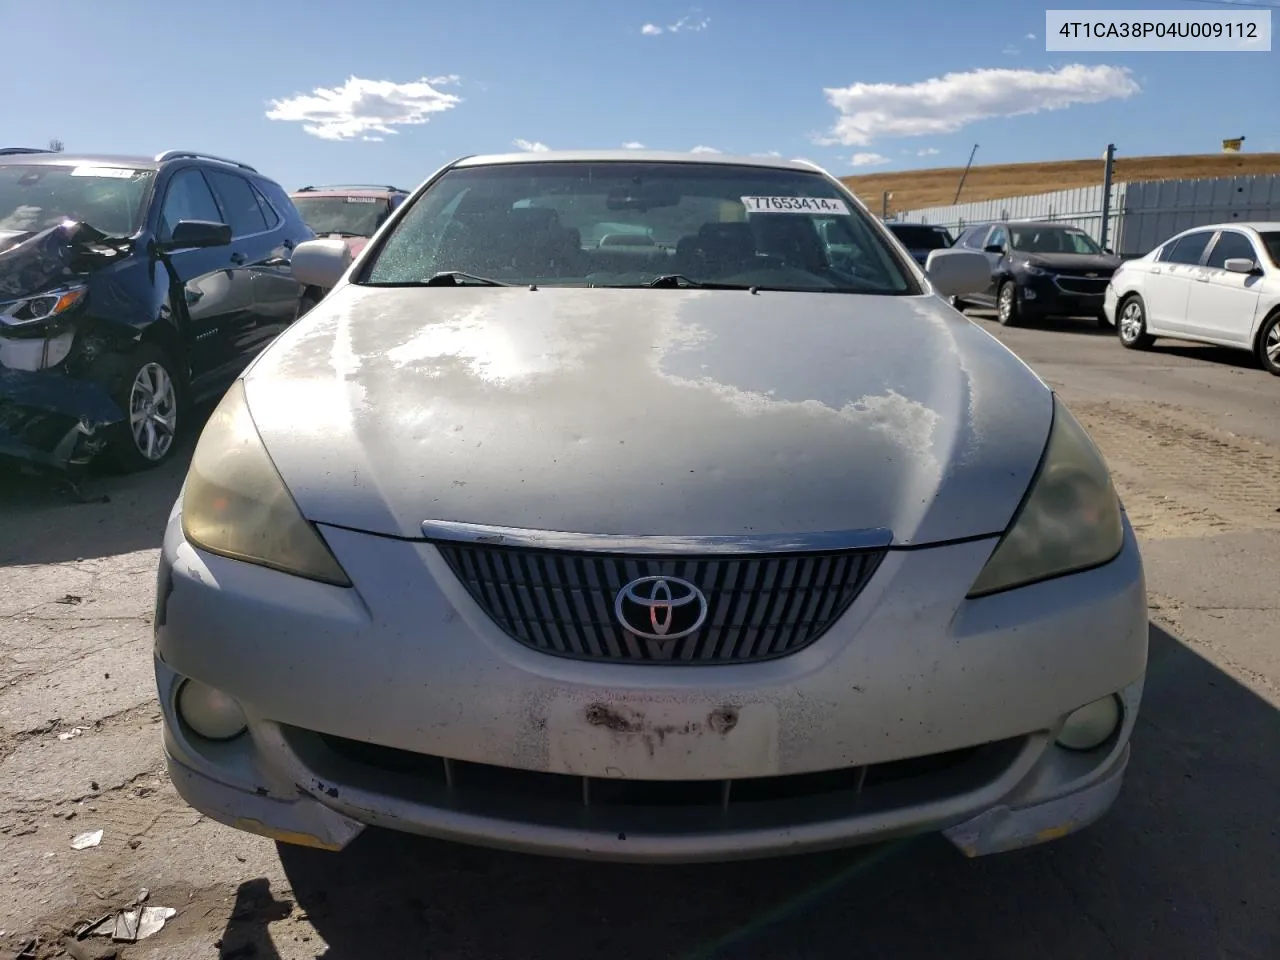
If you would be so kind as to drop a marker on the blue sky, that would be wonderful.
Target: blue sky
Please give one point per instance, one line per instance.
(857, 87)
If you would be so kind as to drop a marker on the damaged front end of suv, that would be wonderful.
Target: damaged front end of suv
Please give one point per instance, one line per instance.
(54, 329)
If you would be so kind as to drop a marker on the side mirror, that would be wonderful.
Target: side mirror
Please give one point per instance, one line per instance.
(955, 273)
(994, 248)
(1239, 265)
(197, 233)
(320, 263)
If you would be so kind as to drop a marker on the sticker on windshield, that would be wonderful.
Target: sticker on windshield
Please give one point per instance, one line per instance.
(362, 199)
(795, 205)
(114, 173)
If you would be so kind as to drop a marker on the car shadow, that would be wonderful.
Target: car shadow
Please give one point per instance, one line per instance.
(1080, 326)
(43, 521)
(1187, 864)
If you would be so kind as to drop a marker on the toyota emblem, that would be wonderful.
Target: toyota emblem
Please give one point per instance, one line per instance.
(660, 608)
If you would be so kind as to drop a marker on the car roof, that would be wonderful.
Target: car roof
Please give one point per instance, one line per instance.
(636, 156)
(1260, 226)
(82, 160)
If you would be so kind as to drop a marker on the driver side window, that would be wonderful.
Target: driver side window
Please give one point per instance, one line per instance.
(996, 238)
(188, 198)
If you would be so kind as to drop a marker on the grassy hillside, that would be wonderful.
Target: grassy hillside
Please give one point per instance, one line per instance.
(935, 188)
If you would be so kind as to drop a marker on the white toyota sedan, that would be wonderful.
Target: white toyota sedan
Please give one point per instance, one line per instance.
(734, 542)
(1216, 284)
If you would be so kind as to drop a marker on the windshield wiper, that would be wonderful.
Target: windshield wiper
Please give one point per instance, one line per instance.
(455, 278)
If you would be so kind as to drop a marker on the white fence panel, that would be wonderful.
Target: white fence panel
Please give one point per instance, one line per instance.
(1158, 209)
(1143, 214)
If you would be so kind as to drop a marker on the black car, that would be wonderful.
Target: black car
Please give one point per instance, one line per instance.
(130, 288)
(921, 239)
(1040, 270)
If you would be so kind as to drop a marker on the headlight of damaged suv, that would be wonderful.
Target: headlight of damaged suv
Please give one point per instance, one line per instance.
(236, 505)
(1068, 521)
(43, 306)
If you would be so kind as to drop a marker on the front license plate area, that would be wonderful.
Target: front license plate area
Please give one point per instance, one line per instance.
(661, 740)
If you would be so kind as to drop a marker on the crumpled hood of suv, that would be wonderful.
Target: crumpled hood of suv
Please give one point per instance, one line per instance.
(649, 412)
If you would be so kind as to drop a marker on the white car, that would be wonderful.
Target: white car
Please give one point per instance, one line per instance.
(1215, 284)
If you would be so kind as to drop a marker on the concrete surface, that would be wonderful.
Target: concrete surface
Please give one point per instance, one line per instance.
(1186, 865)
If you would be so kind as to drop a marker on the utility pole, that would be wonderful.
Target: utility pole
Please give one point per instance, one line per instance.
(885, 197)
(965, 174)
(1110, 158)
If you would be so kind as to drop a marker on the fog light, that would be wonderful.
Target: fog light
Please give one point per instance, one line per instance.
(1091, 724)
(209, 712)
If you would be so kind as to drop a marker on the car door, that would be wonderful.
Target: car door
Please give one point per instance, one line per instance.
(207, 294)
(998, 237)
(1221, 305)
(277, 293)
(254, 251)
(1167, 287)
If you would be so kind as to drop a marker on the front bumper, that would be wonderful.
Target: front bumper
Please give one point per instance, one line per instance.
(401, 705)
(53, 420)
(1061, 296)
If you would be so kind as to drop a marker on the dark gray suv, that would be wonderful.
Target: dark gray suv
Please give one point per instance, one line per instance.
(131, 287)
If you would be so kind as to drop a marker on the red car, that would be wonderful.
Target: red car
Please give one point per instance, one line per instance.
(351, 211)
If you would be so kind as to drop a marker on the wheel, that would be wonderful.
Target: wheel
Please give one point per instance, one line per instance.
(146, 386)
(1007, 304)
(1131, 324)
(1269, 344)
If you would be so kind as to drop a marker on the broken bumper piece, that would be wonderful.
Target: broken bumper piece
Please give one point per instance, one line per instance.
(53, 420)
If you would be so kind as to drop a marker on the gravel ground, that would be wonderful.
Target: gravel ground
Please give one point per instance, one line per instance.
(1186, 865)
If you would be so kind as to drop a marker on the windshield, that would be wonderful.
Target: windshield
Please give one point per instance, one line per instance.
(619, 224)
(1271, 240)
(357, 216)
(35, 197)
(921, 237)
(1052, 240)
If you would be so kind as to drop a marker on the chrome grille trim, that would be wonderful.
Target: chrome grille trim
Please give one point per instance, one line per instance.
(658, 544)
(761, 606)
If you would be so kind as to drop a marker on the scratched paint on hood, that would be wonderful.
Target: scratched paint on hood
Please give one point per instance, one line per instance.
(648, 411)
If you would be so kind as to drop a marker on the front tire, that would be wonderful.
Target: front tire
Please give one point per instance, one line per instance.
(1131, 324)
(145, 384)
(1007, 304)
(1269, 345)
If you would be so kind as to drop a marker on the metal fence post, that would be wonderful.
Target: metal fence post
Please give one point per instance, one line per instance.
(1110, 157)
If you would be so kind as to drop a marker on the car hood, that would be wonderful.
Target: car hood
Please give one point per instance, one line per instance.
(1073, 262)
(32, 263)
(648, 412)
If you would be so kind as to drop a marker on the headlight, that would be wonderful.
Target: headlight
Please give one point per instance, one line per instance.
(43, 306)
(237, 506)
(1069, 519)
(1033, 270)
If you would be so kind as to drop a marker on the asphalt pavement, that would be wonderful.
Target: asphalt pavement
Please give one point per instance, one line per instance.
(1187, 864)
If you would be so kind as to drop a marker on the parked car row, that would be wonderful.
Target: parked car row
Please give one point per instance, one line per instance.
(1216, 284)
(132, 287)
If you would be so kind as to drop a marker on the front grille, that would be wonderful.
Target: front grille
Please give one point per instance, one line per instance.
(758, 607)
(1085, 285)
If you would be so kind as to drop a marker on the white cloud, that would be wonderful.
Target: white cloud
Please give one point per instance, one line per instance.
(868, 159)
(691, 23)
(1030, 36)
(363, 109)
(702, 149)
(1011, 51)
(633, 145)
(940, 105)
(530, 146)
(767, 153)
(928, 152)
